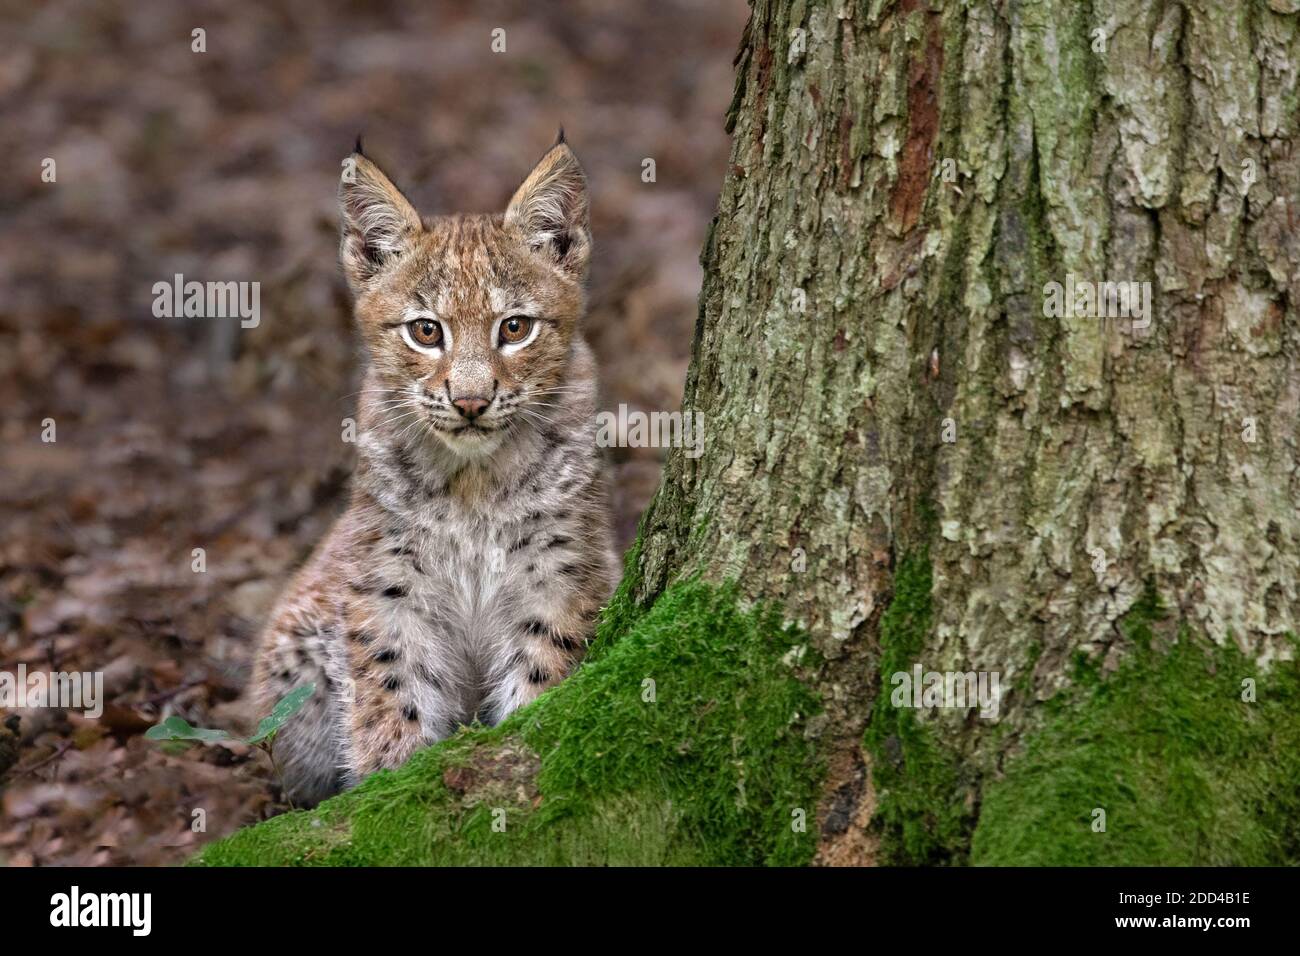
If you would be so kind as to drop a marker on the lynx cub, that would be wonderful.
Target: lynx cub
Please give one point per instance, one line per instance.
(466, 574)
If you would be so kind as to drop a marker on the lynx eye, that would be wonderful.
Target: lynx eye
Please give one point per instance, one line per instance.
(425, 332)
(515, 329)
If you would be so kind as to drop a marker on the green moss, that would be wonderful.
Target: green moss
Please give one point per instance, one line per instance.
(707, 765)
(922, 812)
(1186, 771)
(623, 610)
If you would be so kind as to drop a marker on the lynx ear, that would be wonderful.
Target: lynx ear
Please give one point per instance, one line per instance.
(550, 209)
(377, 219)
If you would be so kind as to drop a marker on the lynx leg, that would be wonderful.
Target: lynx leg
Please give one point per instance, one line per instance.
(546, 652)
(407, 693)
(306, 750)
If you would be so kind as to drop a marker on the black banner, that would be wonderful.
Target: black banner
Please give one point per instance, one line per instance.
(293, 907)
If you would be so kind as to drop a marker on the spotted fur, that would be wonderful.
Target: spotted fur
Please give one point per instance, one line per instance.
(466, 574)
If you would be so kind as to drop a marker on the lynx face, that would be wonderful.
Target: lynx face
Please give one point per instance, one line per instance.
(468, 319)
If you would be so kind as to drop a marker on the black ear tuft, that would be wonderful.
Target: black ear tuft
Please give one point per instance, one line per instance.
(560, 138)
(358, 150)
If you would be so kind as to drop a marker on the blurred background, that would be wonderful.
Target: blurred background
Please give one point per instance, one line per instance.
(175, 434)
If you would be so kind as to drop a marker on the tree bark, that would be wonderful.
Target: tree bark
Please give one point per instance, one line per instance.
(857, 300)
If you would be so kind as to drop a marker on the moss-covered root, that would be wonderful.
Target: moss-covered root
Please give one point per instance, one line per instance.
(1184, 757)
(679, 741)
(1188, 754)
(921, 814)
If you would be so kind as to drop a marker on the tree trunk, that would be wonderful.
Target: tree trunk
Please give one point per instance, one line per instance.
(908, 459)
(857, 300)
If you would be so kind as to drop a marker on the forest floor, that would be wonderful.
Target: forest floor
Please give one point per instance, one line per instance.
(174, 435)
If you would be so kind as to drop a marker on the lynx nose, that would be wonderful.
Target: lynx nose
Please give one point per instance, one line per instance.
(471, 408)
